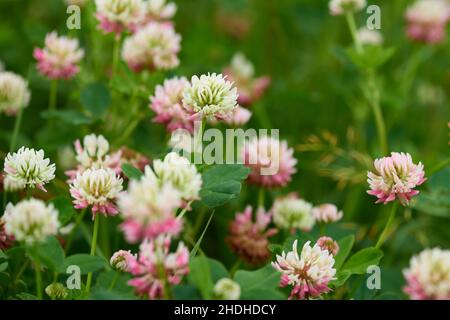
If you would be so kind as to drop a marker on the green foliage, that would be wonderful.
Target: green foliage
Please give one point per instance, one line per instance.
(87, 263)
(49, 253)
(65, 209)
(96, 98)
(261, 284)
(131, 172)
(436, 201)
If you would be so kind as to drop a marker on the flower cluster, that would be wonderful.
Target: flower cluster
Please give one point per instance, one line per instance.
(428, 275)
(116, 16)
(369, 37)
(14, 93)
(327, 243)
(227, 289)
(293, 213)
(6, 240)
(59, 58)
(159, 10)
(248, 239)
(119, 260)
(327, 213)
(339, 7)
(308, 273)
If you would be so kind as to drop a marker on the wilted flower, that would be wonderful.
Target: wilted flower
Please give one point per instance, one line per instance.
(57, 291)
(155, 46)
(327, 213)
(148, 208)
(242, 72)
(159, 10)
(31, 221)
(28, 167)
(369, 37)
(134, 158)
(327, 243)
(227, 289)
(98, 188)
(59, 58)
(118, 15)
(427, 20)
(155, 265)
(338, 7)
(271, 161)
(395, 177)
(119, 260)
(248, 239)
(428, 275)
(168, 106)
(211, 95)
(308, 273)
(14, 93)
(6, 240)
(292, 213)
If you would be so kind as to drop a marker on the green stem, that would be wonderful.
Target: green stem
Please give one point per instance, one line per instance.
(352, 26)
(93, 248)
(21, 271)
(373, 97)
(114, 280)
(439, 167)
(261, 195)
(384, 234)
(53, 95)
(16, 130)
(37, 267)
(166, 292)
(115, 56)
(322, 229)
(72, 233)
(235, 267)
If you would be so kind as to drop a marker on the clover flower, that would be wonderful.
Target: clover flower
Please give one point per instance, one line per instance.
(134, 158)
(209, 96)
(248, 238)
(428, 275)
(369, 37)
(227, 289)
(119, 260)
(6, 240)
(154, 47)
(98, 188)
(271, 161)
(155, 265)
(60, 57)
(238, 117)
(292, 213)
(427, 20)
(339, 7)
(159, 10)
(14, 93)
(31, 221)
(241, 71)
(327, 213)
(116, 16)
(28, 167)
(167, 103)
(57, 291)
(327, 243)
(308, 273)
(80, 3)
(395, 177)
(148, 208)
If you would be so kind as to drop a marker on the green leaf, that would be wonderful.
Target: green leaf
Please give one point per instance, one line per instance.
(436, 201)
(222, 183)
(68, 116)
(360, 261)
(3, 255)
(106, 278)
(186, 292)
(200, 276)
(131, 172)
(3, 266)
(259, 284)
(26, 296)
(345, 246)
(96, 98)
(49, 253)
(372, 57)
(65, 209)
(218, 270)
(87, 263)
(105, 294)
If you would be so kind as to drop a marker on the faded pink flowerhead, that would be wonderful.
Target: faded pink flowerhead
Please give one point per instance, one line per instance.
(6, 240)
(327, 243)
(167, 103)
(271, 160)
(395, 177)
(119, 260)
(60, 57)
(154, 259)
(327, 213)
(248, 238)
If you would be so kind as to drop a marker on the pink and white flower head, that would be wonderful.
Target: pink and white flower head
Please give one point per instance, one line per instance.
(369, 37)
(248, 238)
(93, 154)
(14, 93)
(80, 3)
(327, 243)
(60, 57)
(6, 240)
(154, 259)
(241, 71)
(117, 16)
(427, 20)
(308, 273)
(159, 10)
(428, 275)
(210, 96)
(292, 213)
(96, 188)
(238, 117)
(148, 208)
(395, 177)
(154, 47)
(271, 161)
(119, 260)
(327, 213)
(167, 103)
(28, 167)
(339, 7)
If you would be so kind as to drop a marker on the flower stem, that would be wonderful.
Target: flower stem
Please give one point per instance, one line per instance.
(384, 234)
(352, 26)
(114, 280)
(93, 248)
(53, 95)
(16, 130)
(72, 233)
(261, 195)
(37, 267)
(439, 166)
(115, 56)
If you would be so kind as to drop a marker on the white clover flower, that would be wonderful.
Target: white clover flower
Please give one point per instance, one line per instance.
(80, 3)
(293, 213)
(31, 221)
(242, 67)
(158, 10)
(98, 188)
(327, 213)
(27, 166)
(94, 149)
(338, 7)
(14, 93)
(369, 37)
(180, 173)
(210, 96)
(227, 289)
(118, 15)
(12, 185)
